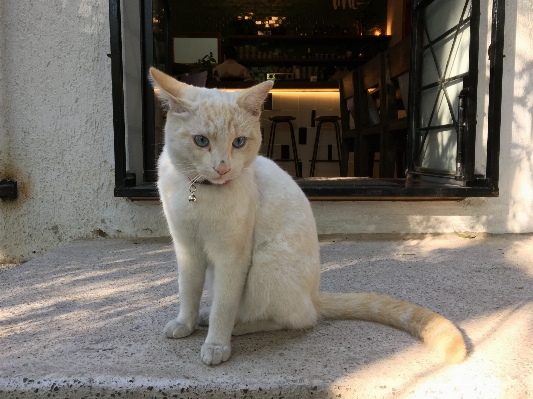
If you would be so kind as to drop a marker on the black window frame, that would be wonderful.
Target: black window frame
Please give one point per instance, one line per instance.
(464, 123)
(414, 187)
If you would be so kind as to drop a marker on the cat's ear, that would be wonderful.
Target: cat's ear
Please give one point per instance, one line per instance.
(169, 91)
(252, 98)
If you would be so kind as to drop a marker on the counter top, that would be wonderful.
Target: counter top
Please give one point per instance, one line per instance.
(281, 85)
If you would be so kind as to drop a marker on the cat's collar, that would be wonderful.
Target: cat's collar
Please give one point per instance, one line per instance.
(205, 181)
(192, 187)
(208, 182)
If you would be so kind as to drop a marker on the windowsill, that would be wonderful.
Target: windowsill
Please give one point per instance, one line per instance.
(355, 189)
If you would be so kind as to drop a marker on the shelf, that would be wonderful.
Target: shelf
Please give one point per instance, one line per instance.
(311, 61)
(367, 45)
(311, 37)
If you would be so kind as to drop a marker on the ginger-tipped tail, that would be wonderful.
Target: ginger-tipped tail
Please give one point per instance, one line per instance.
(433, 329)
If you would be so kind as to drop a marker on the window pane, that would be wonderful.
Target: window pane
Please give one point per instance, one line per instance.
(440, 152)
(445, 62)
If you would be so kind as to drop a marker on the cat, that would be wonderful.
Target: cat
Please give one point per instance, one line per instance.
(242, 224)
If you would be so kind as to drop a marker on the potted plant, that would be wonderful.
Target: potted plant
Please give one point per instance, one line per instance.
(206, 64)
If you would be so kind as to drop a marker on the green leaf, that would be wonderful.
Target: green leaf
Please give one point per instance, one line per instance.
(466, 234)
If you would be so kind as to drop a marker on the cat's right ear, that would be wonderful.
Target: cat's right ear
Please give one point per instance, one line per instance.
(169, 91)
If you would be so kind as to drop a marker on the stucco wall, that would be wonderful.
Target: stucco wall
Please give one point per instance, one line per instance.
(56, 92)
(56, 121)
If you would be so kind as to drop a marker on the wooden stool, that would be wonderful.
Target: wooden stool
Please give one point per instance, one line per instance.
(326, 119)
(270, 149)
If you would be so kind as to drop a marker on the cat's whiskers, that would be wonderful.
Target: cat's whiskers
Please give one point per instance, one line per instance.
(184, 167)
(191, 173)
(192, 181)
(187, 167)
(243, 184)
(248, 189)
(188, 171)
(252, 181)
(240, 187)
(183, 162)
(254, 195)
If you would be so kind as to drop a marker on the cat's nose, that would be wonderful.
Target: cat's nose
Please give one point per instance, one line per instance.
(222, 169)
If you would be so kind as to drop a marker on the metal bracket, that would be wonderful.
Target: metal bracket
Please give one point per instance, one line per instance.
(8, 189)
(130, 180)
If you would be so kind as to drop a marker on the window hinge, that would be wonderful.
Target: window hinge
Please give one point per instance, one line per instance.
(130, 180)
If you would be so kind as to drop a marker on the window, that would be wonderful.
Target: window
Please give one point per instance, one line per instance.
(442, 138)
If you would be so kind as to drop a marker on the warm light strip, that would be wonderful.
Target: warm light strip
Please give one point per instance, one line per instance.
(322, 90)
(295, 90)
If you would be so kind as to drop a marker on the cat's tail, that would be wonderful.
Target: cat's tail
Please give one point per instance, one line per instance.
(433, 329)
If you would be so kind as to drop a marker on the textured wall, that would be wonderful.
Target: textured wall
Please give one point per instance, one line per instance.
(516, 157)
(56, 112)
(55, 93)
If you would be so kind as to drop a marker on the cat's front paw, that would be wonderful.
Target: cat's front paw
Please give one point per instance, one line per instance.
(175, 329)
(214, 354)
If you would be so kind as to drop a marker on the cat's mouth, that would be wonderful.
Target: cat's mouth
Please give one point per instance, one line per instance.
(217, 181)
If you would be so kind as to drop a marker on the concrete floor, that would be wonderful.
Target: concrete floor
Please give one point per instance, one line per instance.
(86, 320)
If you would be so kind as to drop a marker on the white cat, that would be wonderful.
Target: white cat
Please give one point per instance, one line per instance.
(242, 221)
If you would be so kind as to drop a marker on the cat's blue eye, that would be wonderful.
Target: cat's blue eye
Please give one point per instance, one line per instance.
(239, 142)
(201, 141)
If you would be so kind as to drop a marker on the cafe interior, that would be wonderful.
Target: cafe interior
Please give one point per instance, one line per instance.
(341, 72)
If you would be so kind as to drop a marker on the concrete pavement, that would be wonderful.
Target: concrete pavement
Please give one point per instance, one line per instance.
(86, 320)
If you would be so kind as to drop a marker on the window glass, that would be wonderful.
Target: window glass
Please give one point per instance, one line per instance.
(445, 57)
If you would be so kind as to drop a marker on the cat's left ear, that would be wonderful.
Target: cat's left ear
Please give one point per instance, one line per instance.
(251, 99)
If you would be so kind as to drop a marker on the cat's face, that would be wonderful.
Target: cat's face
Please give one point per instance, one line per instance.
(210, 134)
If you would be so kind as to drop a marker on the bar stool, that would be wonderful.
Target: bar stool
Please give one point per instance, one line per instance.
(270, 149)
(326, 119)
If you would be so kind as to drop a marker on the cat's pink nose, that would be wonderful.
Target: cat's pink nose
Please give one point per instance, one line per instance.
(222, 170)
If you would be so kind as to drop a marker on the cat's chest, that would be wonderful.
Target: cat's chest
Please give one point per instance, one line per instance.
(208, 205)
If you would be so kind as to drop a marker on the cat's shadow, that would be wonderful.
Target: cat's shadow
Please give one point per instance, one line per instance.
(325, 343)
(264, 343)
(269, 339)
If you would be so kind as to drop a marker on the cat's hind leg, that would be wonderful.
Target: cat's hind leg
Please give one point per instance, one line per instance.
(203, 318)
(256, 326)
(205, 311)
(273, 300)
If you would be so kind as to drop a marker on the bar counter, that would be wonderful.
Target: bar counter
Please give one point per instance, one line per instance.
(283, 86)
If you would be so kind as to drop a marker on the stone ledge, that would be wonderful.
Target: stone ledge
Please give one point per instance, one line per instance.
(85, 321)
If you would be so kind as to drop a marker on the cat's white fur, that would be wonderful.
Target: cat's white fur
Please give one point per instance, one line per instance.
(252, 232)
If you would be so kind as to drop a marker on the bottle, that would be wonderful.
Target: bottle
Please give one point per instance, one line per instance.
(308, 55)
